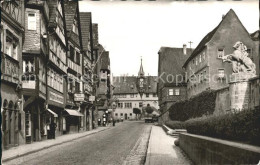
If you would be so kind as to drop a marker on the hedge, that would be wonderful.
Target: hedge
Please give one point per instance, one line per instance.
(202, 104)
(175, 124)
(243, 126)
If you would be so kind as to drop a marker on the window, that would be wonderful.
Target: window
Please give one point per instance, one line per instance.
(154, 95)
(8, 47)
(120, 105)
(140, 104)
(196, 61)
(75, 26)
(121, 114)
(204, 55)
(130, 114)
(132, 95)
(200, 58)
(177, 92)
(220, 53)
(15, 51)
(116, 114)
(170, 92)
(147, 94)
(193, 61)
(128, 105)
(249, 52)
(72, 52)
(201, 77)
(77, 87)
(31, 21)
(205, 74)
(221, 73)
(77, 58)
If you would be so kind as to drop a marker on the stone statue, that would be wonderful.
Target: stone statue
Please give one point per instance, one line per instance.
(241, 63)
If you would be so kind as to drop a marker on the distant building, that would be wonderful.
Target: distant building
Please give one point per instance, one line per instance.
(127, 93)
(171, 76)
(205, 68)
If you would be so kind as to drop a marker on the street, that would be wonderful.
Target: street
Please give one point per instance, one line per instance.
(113, 146)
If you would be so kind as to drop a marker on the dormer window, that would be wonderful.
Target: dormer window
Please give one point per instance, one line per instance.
(31, 21)
(75, 26)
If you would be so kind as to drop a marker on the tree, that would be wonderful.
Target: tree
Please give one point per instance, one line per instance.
(149, 109)
(136, 111)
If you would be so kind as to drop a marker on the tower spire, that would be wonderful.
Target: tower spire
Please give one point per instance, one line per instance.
(141, 70)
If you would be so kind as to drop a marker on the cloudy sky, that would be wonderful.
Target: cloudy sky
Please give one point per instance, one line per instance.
(130, 30)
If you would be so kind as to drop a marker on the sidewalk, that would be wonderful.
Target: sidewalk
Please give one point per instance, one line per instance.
(162, 151)
(26, 149)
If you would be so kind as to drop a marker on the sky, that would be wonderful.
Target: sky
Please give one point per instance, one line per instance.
(131, 30)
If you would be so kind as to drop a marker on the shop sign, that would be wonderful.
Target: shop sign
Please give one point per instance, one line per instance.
(91, 98)
(79, 97)
(56, 97)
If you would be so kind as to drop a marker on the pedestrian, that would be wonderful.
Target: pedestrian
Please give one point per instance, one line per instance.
(53, 128)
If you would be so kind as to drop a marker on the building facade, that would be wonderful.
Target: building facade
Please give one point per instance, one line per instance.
(12, 32)
(128, 94)
(171, 76)
(87, 70)
(205, 67)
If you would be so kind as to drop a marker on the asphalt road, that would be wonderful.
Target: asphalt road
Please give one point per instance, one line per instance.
(110, 147)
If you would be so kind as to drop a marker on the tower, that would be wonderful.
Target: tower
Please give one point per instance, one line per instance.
(140, 80)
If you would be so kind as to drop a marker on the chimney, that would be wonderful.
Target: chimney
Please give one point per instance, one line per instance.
(184, 49)
(223, 15)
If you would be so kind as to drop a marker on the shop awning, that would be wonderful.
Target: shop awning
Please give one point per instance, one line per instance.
(73, 112)
(54, 114)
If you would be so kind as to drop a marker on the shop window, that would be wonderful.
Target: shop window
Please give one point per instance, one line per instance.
(31, 21)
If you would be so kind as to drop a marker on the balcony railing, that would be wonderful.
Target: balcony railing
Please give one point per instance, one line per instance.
(10, 68)
(74, 66)
(30, 84)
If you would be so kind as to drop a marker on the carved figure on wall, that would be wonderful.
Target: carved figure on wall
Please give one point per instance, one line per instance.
(240, 60)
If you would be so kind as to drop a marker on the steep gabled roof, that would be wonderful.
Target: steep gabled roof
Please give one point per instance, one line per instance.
(210, 35)
(52, 11)
(95, 35)
(255, 35)
(105, 61)
(128, 84)
(85, 23)
(170, 63)
(70, 8)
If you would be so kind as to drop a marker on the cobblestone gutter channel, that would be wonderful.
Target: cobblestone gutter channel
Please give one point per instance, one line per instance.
(137, 155)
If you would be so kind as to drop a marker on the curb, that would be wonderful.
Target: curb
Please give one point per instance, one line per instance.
(46, 147)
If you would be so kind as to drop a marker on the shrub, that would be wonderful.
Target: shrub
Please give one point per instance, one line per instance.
(202, 104)
(175, 124)
(242, 126)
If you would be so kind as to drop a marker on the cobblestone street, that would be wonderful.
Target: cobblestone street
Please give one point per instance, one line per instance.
(122, 144)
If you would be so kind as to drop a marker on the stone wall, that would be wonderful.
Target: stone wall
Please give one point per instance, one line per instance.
(222, 101)
(206, 150)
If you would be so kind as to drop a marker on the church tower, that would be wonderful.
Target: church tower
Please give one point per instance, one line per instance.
(140, 80)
